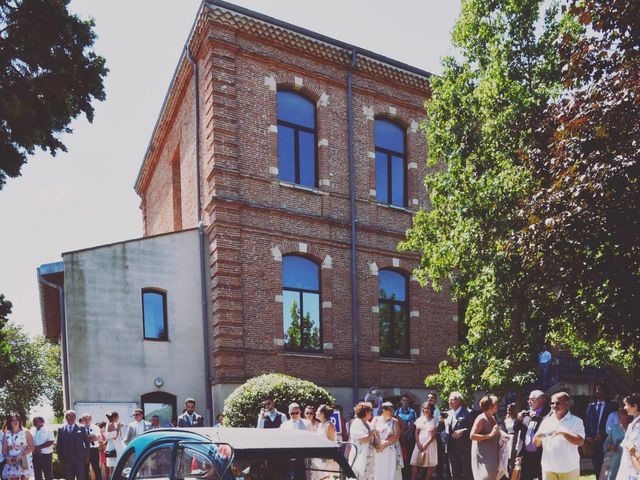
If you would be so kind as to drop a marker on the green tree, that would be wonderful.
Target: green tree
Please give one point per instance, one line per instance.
(49, 75)
(6, 360)
(482, 118)
(580, 245)
(37, 375)
(302, 333)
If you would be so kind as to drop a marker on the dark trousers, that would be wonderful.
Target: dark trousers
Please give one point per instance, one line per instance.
(408, 443)
(442, 469)
(531, 467)
(460, 462)
(598, 456)
(74, 469)
(42, 465)
(94, 461)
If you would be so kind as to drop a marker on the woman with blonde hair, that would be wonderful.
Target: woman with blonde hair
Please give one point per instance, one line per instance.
(485, 433)
(364, 438)
(17, 446)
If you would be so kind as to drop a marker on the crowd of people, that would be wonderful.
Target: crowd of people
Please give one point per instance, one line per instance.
(388, 442)
(85, 450)
(540, 442)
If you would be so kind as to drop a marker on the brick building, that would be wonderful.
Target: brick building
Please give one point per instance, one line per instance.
(280, 180)
(284, 168)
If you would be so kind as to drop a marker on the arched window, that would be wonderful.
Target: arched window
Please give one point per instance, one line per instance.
(301, 304)
(393, 320)
(154, 314)
(390, 163)
(296, 139)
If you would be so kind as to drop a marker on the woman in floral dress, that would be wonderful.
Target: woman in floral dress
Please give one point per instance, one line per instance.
(17, 446)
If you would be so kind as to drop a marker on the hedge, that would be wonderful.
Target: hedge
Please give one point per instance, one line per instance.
(243, 405)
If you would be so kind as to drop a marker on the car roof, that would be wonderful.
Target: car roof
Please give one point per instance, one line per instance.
(258, 438)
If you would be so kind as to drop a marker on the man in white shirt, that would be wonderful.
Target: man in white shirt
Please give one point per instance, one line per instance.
(270, 417)
(93, 432)
(138, 426)
(295, 421)
(560, 434)
(43, 440)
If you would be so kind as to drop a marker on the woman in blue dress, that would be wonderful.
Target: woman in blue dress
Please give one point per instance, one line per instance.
(612, 445)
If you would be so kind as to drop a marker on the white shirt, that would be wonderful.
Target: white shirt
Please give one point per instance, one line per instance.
(137, 426)
(558, 455)
(299, 424)
(94, 430)
(42, 436)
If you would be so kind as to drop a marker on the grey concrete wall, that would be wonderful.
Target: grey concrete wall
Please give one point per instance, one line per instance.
(109, 359)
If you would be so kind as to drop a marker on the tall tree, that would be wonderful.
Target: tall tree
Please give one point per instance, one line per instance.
(37, 375)
(482, 117)
(6, 360)
(49, 75)
(580, 245)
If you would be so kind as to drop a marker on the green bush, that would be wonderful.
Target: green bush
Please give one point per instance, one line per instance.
(243, 405)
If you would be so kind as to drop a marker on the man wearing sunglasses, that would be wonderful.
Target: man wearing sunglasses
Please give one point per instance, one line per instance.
(270, 417)
(295, 421)
(560, 434)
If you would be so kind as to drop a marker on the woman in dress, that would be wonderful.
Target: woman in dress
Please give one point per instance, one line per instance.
(114, 441)
(612, 445)
(102, 443)
(17, 445)
(389, 432)
(485, 433)
(425, 452)
(631, 442)
(364, 438)
(514, 437)
(310, 417)
(323, 468)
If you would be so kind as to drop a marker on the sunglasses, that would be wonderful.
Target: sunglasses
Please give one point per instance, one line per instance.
(557, 403)
(308, 413)
(294, 413)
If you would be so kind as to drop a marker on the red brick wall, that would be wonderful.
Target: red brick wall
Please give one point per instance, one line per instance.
(249, 214)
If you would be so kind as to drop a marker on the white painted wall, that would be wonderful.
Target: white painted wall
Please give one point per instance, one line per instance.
(108, 359)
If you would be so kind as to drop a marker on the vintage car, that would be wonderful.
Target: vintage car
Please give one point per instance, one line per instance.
(231, 454)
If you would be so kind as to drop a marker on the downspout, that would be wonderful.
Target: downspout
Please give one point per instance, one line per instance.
(352, 205)
(203, 271)
(63, 334)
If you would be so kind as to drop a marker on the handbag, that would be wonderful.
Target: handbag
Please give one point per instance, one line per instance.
(24, 462)
(110, 453)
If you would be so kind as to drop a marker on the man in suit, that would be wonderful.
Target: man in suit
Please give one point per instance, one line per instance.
(189, 417)
(457, 427)
(526, 426)
(138, 426)
(93, 433)
(597, 414)
(73, 447)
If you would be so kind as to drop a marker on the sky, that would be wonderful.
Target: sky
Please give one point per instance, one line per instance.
(85, 197)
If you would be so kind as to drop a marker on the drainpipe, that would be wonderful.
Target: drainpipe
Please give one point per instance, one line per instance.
(63, 334)
(203, 271)
(352, 205)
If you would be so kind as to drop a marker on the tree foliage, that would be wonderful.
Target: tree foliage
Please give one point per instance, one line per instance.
(534, 206)
(37, 375)
(482, 117)
(242, 407)
(48, 76)
(6, 360)
(302, 333)
(581, 245)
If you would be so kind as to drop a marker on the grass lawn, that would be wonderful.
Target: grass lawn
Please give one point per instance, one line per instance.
(588, 477)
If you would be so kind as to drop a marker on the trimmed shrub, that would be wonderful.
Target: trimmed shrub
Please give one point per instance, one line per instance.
(243, 405)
